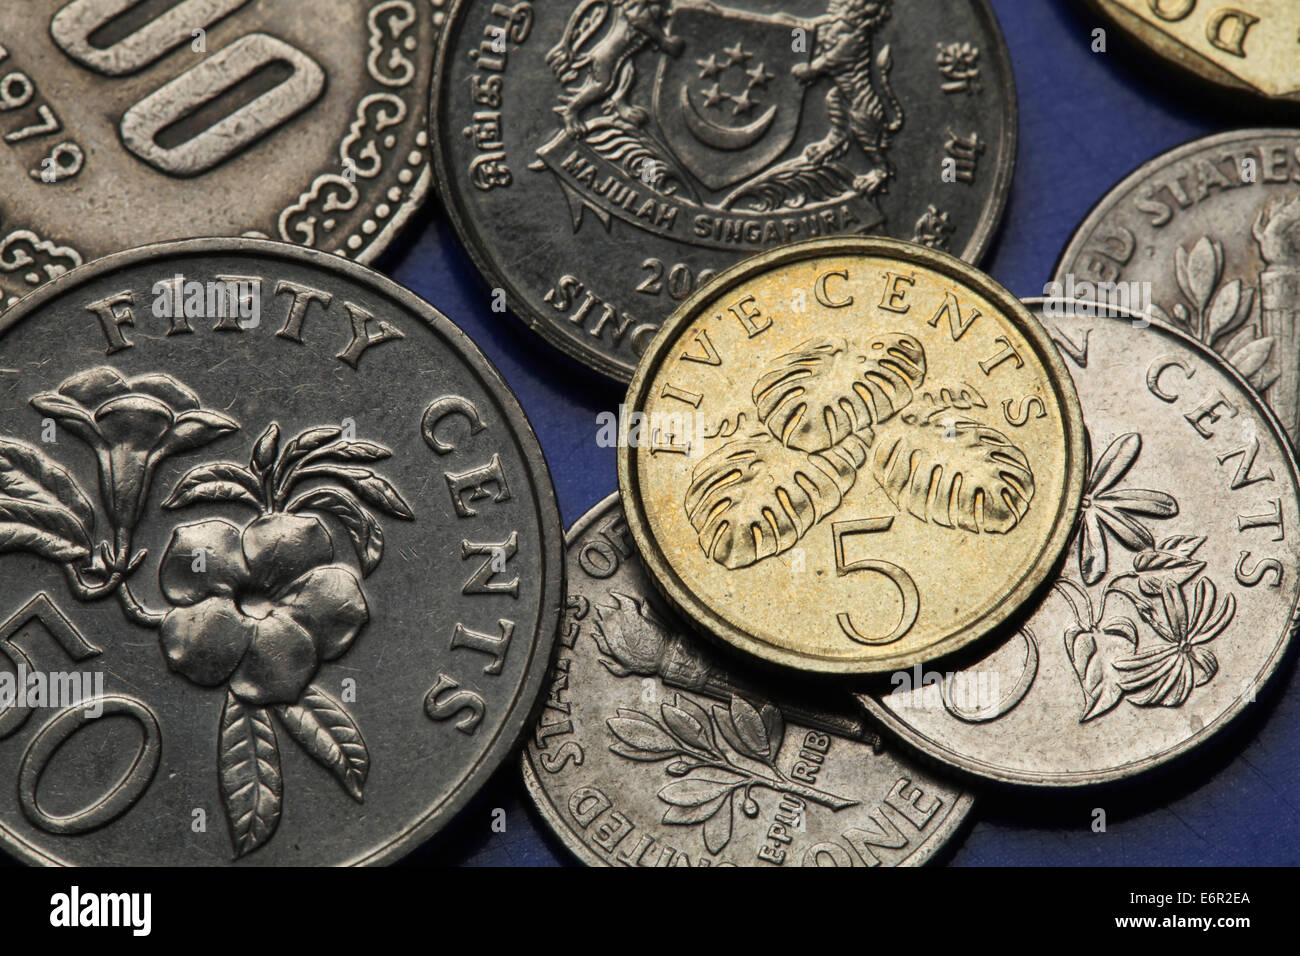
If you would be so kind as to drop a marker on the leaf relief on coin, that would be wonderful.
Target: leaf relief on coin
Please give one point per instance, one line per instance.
(719, 757)
(1159, 658)
(833, 408)
(254, 608)
(1246, 318)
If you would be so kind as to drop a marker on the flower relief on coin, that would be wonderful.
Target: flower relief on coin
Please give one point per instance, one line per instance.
(1178, 593)
(255, 604)
(293, 612)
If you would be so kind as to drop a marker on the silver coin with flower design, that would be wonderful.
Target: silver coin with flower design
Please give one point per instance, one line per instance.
(275, 539)
(1179, 595)
(653, 748)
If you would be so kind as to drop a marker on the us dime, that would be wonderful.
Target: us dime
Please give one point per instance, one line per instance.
(123, 123)
(1207, 237)
(651, 750)
(678, 138)
(1179, 592)
(1247, 46)
(851, 455)
(275, 539)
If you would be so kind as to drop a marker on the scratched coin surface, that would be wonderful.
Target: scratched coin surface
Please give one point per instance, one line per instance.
(1208, 237)
(1246, 46)
(1179, 592)
(124, 122)
(655, 749)
(678, 138)
(851, 455)
(275, 539)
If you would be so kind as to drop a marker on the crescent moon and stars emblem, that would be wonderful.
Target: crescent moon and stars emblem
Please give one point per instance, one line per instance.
(718, 97)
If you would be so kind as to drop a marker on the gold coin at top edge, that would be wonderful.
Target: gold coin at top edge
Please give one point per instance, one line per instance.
(1249, 45)
(851, 455)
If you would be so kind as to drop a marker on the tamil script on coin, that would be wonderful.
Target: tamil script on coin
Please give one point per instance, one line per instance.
(603, 160)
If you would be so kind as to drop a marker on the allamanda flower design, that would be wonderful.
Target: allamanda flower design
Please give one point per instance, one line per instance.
(253, 608)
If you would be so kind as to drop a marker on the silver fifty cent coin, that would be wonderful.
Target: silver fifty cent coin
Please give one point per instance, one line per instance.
(1208, 237)
(602, 160)
(124, 123)
(1178, 596)
(280, 562)
(653, 750)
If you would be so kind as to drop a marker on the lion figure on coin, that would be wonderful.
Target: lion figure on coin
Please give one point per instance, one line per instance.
(861, 104)
(593, 60)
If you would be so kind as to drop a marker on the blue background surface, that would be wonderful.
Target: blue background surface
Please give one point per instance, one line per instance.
(1086, 120)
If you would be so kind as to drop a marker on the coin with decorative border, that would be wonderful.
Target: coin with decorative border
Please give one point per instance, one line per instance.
(125, 123)
(678, 138)
(851, 455)
(655, 749)
(1179, 594)
(1206, 238)
(275, 539)
(1244, 47)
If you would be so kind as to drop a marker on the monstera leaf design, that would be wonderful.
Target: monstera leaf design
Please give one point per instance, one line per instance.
(953, 473)
(754, 497)
(825, 390)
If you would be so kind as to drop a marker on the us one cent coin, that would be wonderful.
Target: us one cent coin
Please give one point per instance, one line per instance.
(679, 138)
(123, 123)
(1206, 238)
(1246, 46)
(851, 455)
(654, 750)
(281, 562)
(1178, 595)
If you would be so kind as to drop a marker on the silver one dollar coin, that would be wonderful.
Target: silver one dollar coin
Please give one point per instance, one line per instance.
(652, 749)
(1207, 238)
(280, 562)
(123, 123)
(678, 138)
(1178, 597)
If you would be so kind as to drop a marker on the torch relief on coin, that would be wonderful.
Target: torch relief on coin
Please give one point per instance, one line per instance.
(655, 749)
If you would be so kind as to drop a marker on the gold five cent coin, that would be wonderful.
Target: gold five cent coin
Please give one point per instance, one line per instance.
(851, 455)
